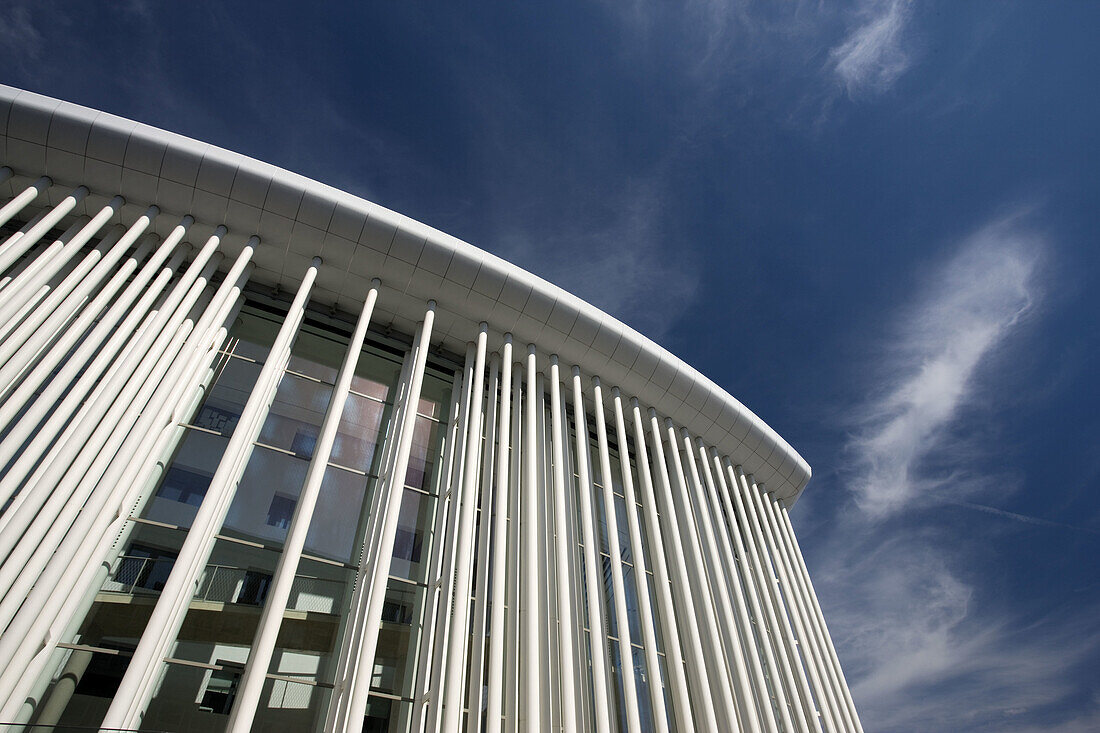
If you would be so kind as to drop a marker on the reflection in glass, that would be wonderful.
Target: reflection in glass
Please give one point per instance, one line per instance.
(296, 415)
(424, 453)
(271, 483)
(412, 524)
(186, 480)
(360, 434)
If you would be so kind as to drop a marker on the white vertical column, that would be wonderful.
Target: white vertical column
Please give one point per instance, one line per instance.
(823, 632)
(23, 341)
(641, 582)
(575, 590)
(766, 588)
(13, 207)
(675, 529)
(64, 591)
(697, 576)
(727, 630)
(779, 608)
(745, 552)
(597, 632)
(562, 558)
(719, 502)
(52, 319)
(441, 599)
(37, 307)
(374, 515)
(15, 246)
(130, 476)
(138, 684)
(31, 223)
(351, 627)
(513, 585)
(271, 618)
(475, 688)
(618, 587)
(87, 446)
(16, 282)
(19, 576)
(21, 288)
(529, 580)
(128, 339)
(72, 596)
(674, 661)
(455, 658)
(393, 485)
(549, 679)
(807, 641)
(495, 682)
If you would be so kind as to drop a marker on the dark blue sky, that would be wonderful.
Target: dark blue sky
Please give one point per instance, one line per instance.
(873, 222)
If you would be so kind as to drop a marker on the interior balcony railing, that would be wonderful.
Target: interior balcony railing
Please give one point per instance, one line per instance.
(135, 576)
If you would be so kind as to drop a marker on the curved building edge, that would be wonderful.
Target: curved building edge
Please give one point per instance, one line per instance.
(359, 240)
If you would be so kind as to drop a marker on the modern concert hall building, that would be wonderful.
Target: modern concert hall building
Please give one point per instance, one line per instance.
(276, 458)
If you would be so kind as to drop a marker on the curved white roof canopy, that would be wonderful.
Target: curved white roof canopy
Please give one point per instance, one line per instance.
(298, 218)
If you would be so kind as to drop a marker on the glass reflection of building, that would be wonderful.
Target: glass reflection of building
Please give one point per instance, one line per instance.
(200, 677)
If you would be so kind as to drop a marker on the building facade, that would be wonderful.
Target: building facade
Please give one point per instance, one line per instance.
(277, 458)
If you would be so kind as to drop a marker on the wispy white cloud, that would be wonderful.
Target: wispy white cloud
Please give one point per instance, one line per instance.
(1017, 517)
(876, 52)
(18, 34)
(926, 645)
(617, 258)
(796, 61)
(924, 650)
(975, 303)
(21, 42)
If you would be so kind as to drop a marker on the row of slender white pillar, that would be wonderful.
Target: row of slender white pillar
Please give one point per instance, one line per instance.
(732, 664)
(83, 426)
(103, 352)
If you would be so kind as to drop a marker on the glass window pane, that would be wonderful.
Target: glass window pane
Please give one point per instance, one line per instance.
(281, 511)
(410, 552)
(291, 706)
(617, 686)
(376, 374)
(184, 484)
(387, 716)
(631, 592)
(623, 529)
(398, 639)
(609, 594)
(435, 393)
(269, 473)
(641, 683)
(296, 414)
(424, 454)
(317, 355)
(253, 333)
(359, 438)
(340, 516)
(232, 384)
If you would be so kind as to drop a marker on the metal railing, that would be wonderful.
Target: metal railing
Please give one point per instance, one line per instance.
(133, 575)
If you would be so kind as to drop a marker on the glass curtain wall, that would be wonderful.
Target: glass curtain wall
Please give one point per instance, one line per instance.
(643, 677)
(200, 677)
